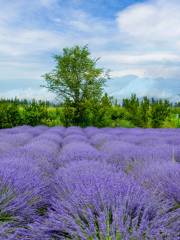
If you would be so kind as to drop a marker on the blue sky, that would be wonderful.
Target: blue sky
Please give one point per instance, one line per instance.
(138, 40)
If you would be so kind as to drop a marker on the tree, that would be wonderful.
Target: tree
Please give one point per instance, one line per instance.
(144, 112)
(76, 80)
(35, 113)
(160, 110)
(9, 114)
(101, 112)
(132, 106)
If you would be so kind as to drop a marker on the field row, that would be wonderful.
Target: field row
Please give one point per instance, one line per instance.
(104, 184)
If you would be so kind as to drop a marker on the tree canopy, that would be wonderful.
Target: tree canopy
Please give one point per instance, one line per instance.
(77, 81)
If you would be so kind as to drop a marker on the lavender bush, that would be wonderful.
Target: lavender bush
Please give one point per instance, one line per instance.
(104, 184)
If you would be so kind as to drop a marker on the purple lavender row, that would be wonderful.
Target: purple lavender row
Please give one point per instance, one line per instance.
(73, 183)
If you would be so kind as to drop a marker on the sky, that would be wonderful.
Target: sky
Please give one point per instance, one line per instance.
(138, 40)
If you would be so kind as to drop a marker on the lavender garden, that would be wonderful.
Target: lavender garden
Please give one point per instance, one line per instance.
(103, 184)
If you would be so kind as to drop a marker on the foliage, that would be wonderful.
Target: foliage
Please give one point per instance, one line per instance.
(77, 81)
(33, 113)
(160, 110)
(53, 117)
(133, 106)
(104, 113)
(123, 123)
(9, 115)
(144, 112)
(147, 113)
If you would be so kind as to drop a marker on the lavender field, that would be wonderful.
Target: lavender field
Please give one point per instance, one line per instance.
(104, 184)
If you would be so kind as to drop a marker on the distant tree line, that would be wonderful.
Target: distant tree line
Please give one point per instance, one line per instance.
(132, 112)
(15, 112)
(147, 112)
(25, 101)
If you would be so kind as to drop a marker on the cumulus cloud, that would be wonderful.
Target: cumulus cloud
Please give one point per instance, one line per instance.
(161, 57)
(150, 35)
(143, 86)
(23, 42)
(28, 93)
(153, 22)
(127, 72)
(141, 44)
(48, 3)
(151, 32)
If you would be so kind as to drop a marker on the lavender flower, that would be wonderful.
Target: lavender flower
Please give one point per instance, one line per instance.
(99, 139)
(92, 201)
(75, 138)
(78, 151)
(85, 184)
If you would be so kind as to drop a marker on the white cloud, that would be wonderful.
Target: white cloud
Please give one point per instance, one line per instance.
(82, 21)
(28, 93)
(48, 3)
(156, 64)
(153, 22)
(143, 41)
(18, 42)
(151, 31)
(156, 72)
(127, 72)
(141, 58)
(141, 86)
